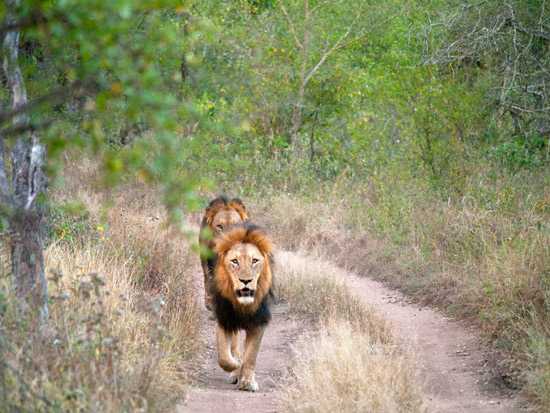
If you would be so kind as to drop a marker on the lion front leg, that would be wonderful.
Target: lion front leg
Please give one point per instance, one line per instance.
(234, 375)
(225, 357)
(247, 380)
(235, 345)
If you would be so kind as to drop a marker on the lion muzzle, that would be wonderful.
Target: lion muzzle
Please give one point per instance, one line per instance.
(245, 295)
(245, 292)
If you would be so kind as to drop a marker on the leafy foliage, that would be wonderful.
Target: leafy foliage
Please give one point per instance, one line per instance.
(100, 71)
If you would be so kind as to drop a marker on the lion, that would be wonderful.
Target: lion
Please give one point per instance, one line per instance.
(241, 290)
(220, 214)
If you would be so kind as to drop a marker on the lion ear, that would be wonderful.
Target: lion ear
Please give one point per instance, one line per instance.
(238, 206)
(209, 216)
(262, 241)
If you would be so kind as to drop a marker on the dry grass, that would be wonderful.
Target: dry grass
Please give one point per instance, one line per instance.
(298, 224)
(111, 345)
(148, 340)
(354, 364)
(493, 267)
(347, 371)
(124, 318)
(314, 288)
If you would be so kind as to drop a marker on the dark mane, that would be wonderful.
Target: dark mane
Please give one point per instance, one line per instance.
(224, 200)
(230, 319)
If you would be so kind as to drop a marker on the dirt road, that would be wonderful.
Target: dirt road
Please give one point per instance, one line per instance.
(213, 393)
(449, 356)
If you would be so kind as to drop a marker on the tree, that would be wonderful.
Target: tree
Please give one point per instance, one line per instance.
(119, 62)
(510, 41)
(27, 183)
(306, 73)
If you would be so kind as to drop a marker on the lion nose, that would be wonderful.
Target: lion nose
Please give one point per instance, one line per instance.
(244, 281)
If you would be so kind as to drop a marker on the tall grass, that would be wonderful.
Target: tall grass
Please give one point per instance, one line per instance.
(124, 318)
(350, 361)
(339, 368)
(316, 289)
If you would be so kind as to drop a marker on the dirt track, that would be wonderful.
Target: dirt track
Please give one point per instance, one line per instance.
(450, 360)
(214, 394)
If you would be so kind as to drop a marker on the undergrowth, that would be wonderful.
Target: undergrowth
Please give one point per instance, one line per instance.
(123, 316)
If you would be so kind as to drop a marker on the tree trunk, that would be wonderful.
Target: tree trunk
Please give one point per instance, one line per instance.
(27, 261)
(312, 136)
(297, 115)
(28, 181)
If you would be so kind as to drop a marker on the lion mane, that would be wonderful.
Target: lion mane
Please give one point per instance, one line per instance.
(232, 315)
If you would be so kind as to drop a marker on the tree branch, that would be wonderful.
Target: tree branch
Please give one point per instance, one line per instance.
(53, 97)
(21, 129)
(291, 27)
(336, 45)
(32, 20)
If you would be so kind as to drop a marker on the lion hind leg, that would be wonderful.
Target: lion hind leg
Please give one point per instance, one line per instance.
(253, 341)
(225, 358)
(208, 300)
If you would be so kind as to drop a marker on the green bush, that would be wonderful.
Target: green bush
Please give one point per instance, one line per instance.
(69, 222)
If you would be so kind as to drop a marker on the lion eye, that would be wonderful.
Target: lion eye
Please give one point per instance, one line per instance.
(255, 260)
(219, 227)
(235, 261)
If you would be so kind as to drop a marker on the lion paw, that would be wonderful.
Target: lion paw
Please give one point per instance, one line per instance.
(233, 377)
(248, 384)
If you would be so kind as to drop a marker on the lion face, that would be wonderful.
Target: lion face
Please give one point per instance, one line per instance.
(244, 263)
(224, 218)
(222, 213)
(242, 271)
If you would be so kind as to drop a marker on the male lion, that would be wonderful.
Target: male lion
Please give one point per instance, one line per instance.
(241, 291)
(220, 214)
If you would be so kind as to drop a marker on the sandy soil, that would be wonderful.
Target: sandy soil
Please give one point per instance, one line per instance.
(452, 364)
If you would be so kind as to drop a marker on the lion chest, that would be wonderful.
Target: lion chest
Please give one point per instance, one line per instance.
(233, 319)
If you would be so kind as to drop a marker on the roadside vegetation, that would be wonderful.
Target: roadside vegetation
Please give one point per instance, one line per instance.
(124, 320)
(349, 359)
(473, 261)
